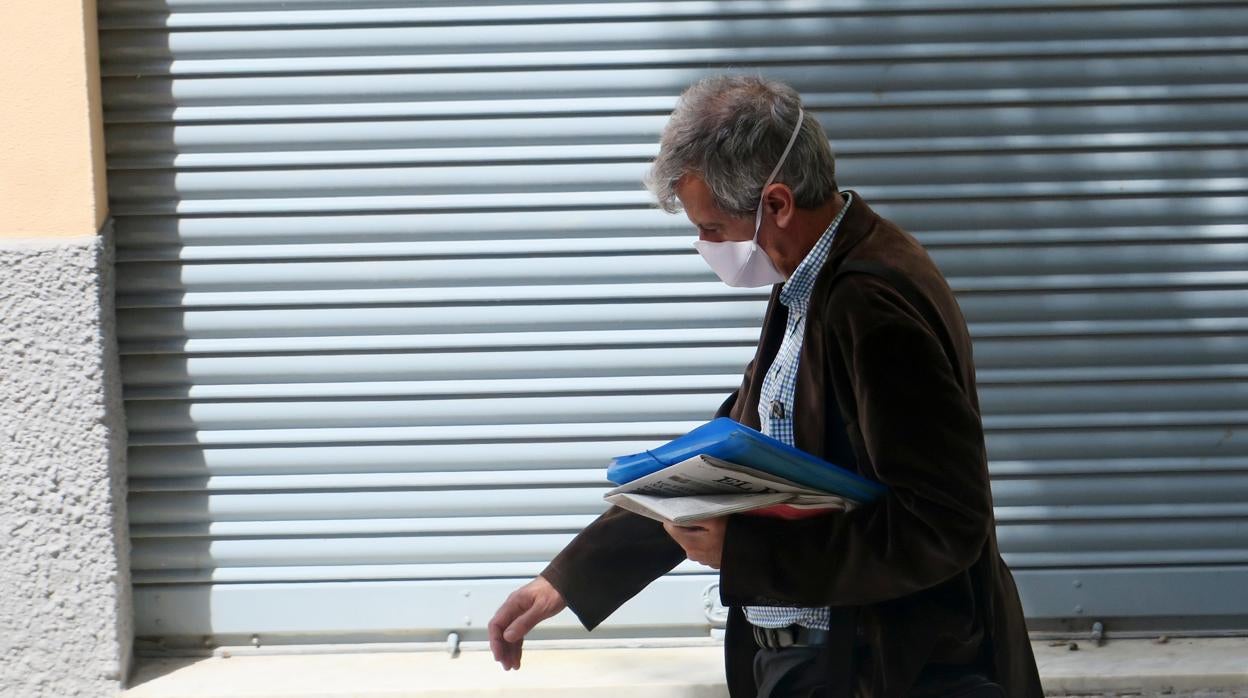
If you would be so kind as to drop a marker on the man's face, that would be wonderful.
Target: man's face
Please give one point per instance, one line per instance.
(712, 223)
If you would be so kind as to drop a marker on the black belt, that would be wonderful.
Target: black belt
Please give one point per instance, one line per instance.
(789, 636)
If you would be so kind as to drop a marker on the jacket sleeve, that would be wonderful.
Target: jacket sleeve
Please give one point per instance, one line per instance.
(618, 554)
(922, 434)
(615, 557)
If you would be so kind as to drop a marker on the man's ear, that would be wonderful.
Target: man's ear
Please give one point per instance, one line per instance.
(778, 198)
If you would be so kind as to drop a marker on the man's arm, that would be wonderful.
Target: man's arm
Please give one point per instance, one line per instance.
(618, 554)
(615, 557)
(608, 563)
(924, 437)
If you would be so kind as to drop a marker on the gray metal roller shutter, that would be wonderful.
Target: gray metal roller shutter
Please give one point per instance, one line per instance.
(391, 295)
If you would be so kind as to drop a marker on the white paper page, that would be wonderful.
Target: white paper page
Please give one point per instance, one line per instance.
(693, 508)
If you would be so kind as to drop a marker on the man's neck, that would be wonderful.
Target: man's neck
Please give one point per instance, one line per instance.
(809, 224)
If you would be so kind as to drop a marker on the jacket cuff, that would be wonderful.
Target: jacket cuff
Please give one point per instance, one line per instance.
(582, 606)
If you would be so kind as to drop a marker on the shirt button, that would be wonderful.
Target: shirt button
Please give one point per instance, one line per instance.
(777, 409)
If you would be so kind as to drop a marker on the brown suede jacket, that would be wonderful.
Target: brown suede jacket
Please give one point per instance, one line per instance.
(886, 386)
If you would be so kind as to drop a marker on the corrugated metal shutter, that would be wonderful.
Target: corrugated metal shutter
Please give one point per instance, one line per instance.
(390, 292)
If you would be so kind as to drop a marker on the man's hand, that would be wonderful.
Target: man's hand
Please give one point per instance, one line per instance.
(703, 542)
(524, 608)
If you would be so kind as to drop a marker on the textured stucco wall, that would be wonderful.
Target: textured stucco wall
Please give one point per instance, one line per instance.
(65, 616)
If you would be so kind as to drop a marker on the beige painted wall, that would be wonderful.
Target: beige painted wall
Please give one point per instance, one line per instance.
(52, 177)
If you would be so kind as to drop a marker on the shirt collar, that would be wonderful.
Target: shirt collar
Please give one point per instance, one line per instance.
(795, 294)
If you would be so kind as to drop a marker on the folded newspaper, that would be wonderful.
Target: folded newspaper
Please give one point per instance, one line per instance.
(704, 487)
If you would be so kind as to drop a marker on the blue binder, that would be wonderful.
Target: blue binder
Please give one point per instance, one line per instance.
(728, 440)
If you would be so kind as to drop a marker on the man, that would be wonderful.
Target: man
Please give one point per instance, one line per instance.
(864, 360)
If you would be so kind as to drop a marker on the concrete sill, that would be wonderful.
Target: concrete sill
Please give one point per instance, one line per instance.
(1120, 666)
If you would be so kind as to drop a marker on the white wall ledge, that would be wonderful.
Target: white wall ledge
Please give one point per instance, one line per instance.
(1120, 666)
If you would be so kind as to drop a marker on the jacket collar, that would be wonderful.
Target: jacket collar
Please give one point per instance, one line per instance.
(858, 222)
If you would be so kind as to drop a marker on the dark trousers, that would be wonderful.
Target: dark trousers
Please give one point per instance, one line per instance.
(802, 672)
(792, 672)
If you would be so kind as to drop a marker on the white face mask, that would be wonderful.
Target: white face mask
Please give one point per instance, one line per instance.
(742, 263)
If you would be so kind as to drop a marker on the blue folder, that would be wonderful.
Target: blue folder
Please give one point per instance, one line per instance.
(728, 440)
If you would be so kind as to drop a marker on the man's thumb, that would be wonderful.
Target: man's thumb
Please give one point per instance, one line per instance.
(522, 625)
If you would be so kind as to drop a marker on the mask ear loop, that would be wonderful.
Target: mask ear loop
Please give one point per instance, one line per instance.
(758, 214)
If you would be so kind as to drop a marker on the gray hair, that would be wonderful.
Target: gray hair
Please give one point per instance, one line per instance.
(731, 130)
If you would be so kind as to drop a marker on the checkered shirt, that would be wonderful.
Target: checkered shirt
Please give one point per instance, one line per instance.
(775, 405)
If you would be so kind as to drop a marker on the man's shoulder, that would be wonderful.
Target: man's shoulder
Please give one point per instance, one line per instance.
(876, 271)
(862, 295)
(887, 244)
(883, 281)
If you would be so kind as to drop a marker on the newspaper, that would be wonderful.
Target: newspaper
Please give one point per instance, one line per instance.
(704, 487)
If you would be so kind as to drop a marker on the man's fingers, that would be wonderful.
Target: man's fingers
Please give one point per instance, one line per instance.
(498, 646)
(672, 529)
(684, 534)
(517, 602)
(676, 533)
(685, 537)
(701, 541)
(504, 650)
(505, 653)
(522, 625)
(519, 613)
